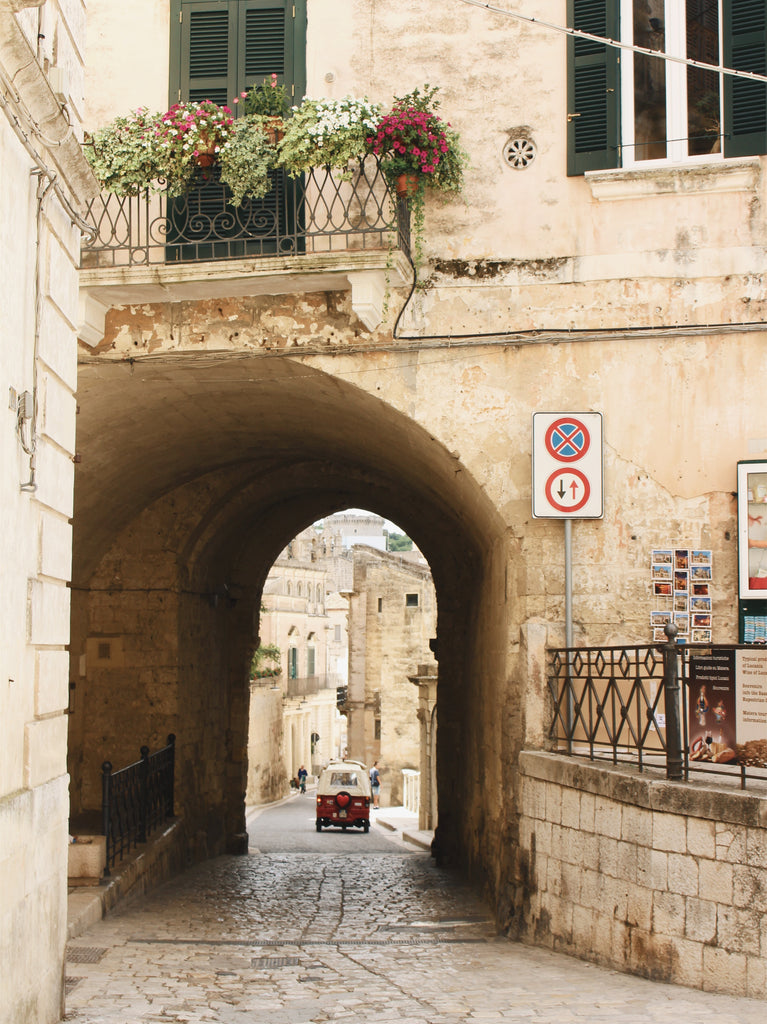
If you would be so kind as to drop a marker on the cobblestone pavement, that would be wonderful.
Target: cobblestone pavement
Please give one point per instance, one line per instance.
(314, 938)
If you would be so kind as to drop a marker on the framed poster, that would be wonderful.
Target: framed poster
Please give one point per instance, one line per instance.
(752, 530)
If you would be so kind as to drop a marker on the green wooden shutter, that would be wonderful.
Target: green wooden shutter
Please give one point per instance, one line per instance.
(207, 41)
(745, 103)
(273, 41)
(221, 47)
(593, 84)
(218, 49)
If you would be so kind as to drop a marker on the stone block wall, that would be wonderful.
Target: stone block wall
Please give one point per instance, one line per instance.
(45, 179)
(665, 880)
(267, 778)
(388, 639)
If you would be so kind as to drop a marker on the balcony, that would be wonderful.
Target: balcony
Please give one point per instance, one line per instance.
(316, 233)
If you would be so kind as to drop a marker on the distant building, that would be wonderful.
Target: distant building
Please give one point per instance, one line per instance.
(325, 571)
(356, 528)
(294, 717)
(392, 618)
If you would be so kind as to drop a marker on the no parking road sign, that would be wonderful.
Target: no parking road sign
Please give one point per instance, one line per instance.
(567, 465)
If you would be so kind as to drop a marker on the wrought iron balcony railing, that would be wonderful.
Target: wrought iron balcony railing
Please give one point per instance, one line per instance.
(317, 213)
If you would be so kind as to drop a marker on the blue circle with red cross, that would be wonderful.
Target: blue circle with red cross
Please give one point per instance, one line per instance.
(567, 439)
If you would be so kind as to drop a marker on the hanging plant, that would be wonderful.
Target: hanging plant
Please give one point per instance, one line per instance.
(268, 99)
(328, 133)
(418, 151)
(246, 159)
(125, 155)
(189, 132)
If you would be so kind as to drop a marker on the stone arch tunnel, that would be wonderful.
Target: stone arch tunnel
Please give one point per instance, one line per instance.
(194, 472)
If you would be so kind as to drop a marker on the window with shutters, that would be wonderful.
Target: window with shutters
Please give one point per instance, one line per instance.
(631, 109)
(219, 49)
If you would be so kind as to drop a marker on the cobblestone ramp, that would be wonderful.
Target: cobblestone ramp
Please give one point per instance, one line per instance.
(312, 939)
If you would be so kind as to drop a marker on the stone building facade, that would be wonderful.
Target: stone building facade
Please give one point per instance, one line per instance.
(392, 619)
(45, 183)
(307, 622)
(314, 600)
(573, 275)
(565, 278)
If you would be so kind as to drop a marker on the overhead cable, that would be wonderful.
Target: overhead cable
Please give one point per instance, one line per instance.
(617, 44)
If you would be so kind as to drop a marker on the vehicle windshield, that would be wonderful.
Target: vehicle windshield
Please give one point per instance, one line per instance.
(343, 779)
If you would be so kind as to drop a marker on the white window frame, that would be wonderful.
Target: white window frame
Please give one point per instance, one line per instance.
(676, 88)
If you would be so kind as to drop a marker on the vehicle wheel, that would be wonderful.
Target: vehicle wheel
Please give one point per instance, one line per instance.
(366, 826)
(318, 826)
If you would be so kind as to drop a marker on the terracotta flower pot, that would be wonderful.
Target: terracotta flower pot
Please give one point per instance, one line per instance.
(275, 129)
(406, 184)
(206, 152)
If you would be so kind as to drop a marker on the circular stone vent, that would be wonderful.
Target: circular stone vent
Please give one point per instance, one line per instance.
(519, 153)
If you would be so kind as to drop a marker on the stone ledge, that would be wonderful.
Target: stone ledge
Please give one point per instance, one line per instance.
(367, 273)
(162, 857)
(640, 789)
(690, 178)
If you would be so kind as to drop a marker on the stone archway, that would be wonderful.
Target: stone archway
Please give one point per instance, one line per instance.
(195, 472)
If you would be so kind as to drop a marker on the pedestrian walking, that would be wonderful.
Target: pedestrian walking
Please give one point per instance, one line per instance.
(302, 773)
(375, 783)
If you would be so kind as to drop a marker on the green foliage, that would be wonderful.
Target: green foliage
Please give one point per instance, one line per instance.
(327, 133)
(124, 155)
(158, 151)
(413, 139)
(268, 99)
(262, 665)
(398, 542)
(188, 130)
(246, 159)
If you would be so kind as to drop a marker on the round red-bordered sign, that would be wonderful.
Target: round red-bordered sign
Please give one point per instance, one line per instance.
(567, 439)
(558, 503)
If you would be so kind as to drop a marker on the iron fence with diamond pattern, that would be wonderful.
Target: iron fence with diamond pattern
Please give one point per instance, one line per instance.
(613, 704)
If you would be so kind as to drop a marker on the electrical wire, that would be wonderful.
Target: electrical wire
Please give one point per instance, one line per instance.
(34, 126)
(14, 116)
(564, 333)
(720, 69)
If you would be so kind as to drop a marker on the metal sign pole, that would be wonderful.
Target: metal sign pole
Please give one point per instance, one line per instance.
(568, 583)
(567, 484)
(569, 627)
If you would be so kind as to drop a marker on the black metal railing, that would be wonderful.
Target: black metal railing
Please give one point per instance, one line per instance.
(320, 212)
(136, 800)
(630, 704)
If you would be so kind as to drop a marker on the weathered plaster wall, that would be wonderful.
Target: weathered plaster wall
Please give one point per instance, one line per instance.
(267, 779)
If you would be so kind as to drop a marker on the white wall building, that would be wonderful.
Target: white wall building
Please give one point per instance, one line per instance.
(45, 181)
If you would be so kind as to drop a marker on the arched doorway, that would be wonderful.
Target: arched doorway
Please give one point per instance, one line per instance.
(195, 473)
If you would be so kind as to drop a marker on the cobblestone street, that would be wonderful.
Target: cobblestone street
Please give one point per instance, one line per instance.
(382, 937)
